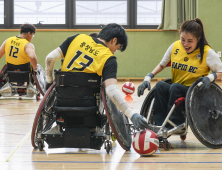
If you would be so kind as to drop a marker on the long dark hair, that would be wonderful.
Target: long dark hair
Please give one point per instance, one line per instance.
(195, 27)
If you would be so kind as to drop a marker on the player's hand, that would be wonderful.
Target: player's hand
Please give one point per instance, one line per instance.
(204, 83)
(145, 84)
(139, 121)
(142, 87)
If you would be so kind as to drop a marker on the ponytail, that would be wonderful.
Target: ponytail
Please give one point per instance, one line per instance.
(202, 42)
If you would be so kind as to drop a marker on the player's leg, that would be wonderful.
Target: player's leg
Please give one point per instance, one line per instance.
(161, 96)
(176, 91)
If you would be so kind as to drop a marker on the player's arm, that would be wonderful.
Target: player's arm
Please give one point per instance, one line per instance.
(115, 95)
(158, 69)
(50, 60)
(30, 51)
(2, 49)
(109, 77)
(55, 55)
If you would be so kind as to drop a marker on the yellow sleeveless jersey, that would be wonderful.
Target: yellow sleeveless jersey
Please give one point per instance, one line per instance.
(85, 55)
(186, 68)
(15, 51)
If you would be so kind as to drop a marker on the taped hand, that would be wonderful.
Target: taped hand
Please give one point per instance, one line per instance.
(139, 122)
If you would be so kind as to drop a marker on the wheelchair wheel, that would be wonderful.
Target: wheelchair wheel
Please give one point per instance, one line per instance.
(108, 146)
(40, 79)
(147, 102)
(3, 76)
(204, 114)
(38, 97)
(40, 145)
(167, 146)
(183, 137)
(44, 118)
(117, 121)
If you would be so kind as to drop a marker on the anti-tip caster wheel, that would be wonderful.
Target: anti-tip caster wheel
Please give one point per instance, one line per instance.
(183, 137)
(167, 146)
(40, 146)
(108, 147)
(38, 97)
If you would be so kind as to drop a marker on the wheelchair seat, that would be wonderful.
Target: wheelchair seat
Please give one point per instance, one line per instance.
(77, 99)
(18, 73)
(20, 79)
(72, 115)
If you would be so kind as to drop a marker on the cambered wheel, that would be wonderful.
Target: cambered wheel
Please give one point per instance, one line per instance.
(45, 116)
(183, 137)
(167, 146)
(40, 79)
(209, 132)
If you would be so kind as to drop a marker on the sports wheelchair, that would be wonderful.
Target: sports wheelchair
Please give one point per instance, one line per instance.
(22, 80)
(76, 113)
(202, 112)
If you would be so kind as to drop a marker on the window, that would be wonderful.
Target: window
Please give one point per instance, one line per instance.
(80, 14)
(39, 11)
(149, 12)
(1, 11)
(101, 12)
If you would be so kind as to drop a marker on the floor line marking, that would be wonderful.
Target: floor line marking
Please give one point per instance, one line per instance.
(17, 147)
(11, 133)
(17, 114)
(116, 162)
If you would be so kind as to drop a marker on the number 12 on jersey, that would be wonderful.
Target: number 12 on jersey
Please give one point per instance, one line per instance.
(84, 65)
(14, 53)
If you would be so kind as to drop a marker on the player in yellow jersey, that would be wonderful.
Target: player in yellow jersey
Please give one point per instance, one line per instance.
(191, 58)
(84, 53)
(18, 50)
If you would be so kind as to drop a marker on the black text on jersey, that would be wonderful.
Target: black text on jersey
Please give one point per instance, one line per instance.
(176, 51)
(183, 67)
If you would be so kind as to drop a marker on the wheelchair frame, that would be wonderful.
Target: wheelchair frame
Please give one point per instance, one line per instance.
(162, 132)
(46, 117)
(9, 89)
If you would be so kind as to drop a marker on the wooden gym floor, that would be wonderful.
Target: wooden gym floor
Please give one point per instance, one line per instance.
(16, 152)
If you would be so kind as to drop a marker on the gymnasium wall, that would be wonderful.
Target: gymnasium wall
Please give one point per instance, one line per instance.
(145, 49)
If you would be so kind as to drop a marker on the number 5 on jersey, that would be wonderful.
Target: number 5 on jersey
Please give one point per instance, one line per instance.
(84, 65)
